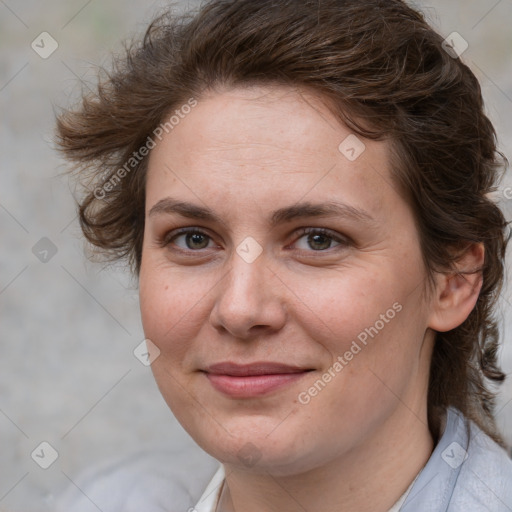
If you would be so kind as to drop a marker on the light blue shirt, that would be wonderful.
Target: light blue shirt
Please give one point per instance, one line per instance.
(467, 472)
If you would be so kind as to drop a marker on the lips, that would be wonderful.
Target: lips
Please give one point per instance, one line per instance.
(252, 380)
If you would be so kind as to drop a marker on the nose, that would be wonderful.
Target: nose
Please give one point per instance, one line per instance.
(249, 301)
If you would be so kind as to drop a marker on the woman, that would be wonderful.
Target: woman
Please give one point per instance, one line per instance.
(302, 190)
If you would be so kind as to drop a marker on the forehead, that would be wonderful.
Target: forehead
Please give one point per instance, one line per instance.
(267, 143)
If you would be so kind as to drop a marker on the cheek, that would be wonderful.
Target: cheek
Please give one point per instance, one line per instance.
(371, 324)
(172, 306)
(338, 306)
(367, 321)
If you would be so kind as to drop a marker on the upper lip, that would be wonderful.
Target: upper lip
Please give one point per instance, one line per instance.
(258, 368)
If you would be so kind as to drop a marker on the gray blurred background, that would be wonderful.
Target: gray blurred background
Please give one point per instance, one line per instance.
(68, 375)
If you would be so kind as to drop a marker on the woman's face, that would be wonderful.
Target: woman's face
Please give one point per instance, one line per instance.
(290, 316)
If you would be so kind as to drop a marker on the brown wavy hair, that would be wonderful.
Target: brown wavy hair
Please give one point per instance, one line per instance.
(384, 72)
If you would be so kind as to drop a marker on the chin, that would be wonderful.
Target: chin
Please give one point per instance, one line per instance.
(260, 450)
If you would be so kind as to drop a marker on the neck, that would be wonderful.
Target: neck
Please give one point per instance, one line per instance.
(372, 476)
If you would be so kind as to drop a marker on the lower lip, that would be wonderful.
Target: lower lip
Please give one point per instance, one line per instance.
(252, 386)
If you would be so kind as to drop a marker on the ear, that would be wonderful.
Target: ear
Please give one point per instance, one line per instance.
(456, 293)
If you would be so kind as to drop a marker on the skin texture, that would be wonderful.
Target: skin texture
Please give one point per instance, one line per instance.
(359, 442)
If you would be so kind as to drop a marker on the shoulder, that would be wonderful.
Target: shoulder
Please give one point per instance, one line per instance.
(467, 471)
(157, 480)
(485, 478)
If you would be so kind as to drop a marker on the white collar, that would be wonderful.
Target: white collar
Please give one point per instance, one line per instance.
(210, 497)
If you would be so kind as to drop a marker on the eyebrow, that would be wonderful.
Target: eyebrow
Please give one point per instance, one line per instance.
(169, 205)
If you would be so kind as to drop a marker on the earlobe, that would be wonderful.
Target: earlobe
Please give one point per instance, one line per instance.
(456, 292)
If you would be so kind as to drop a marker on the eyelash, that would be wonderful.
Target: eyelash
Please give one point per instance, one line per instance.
(342, 241)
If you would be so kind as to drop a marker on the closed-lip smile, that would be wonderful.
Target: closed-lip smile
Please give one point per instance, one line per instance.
(254, 379)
